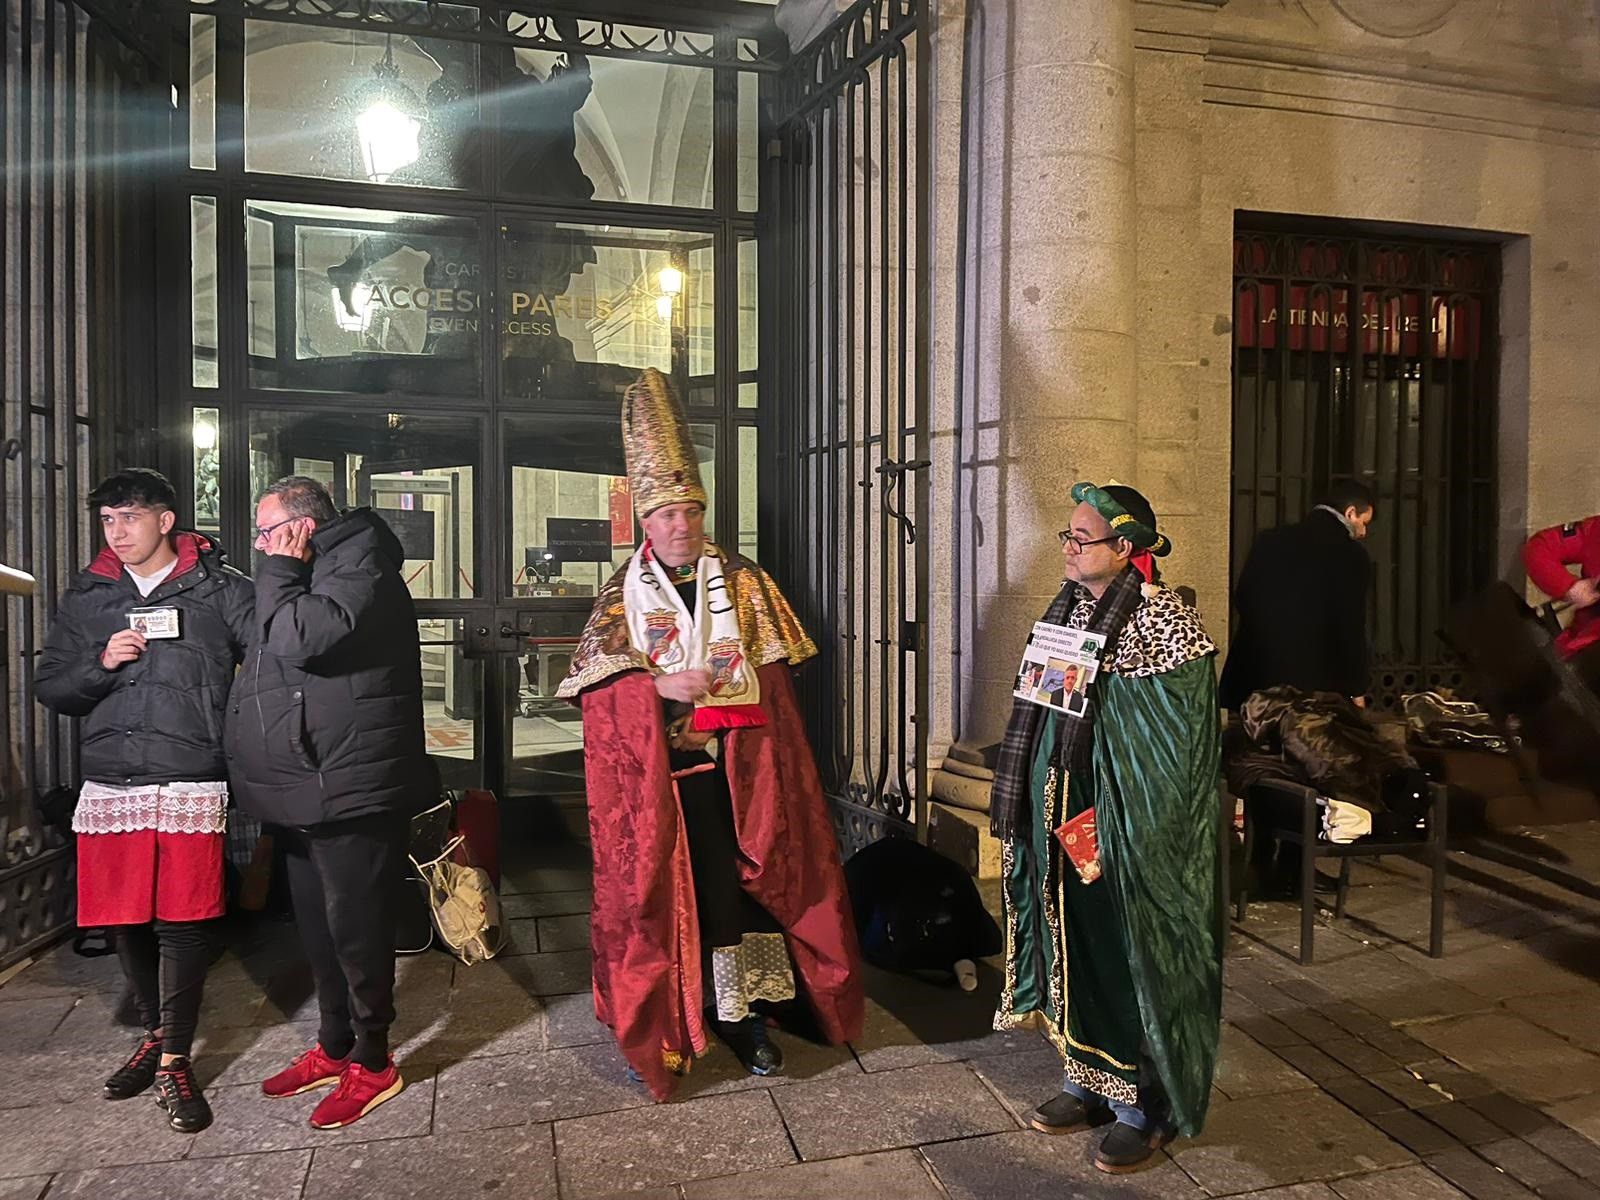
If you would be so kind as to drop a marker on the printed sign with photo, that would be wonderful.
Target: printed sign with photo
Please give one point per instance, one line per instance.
(1058, 664)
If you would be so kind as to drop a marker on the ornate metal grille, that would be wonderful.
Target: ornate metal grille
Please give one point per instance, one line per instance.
(1373, 358)
(78, 384)
(849, 211)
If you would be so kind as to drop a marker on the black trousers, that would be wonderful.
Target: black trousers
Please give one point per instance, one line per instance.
(726, 911)
(165, 964)
(343, 880)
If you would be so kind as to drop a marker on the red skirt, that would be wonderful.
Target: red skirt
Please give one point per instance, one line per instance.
(143, 876)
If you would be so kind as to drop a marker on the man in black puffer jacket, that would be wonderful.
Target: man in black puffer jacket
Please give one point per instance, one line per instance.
(325, 740)
(143, 649)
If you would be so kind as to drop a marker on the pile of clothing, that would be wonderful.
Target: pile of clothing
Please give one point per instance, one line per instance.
(1437, 720)
(1366, 783)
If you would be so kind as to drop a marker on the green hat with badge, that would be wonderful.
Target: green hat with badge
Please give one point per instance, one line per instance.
(1113, 502)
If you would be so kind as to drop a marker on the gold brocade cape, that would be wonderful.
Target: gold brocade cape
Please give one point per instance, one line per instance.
(768, 627)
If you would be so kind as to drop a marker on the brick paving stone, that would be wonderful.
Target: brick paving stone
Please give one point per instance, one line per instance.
(1460, 1083)
(1529, 1165)
(24, 1189)
(1408, 1089)
(261, 1176)
(1361, 1096)
(1357, 1055)
(570, 1021)
(1023, 1080)
(885, 1110)
(1572, 1150)
(1246, 1068)
(29, 1023)
(1581, 1113)
(519, 1162)
(1303, 990)
(56, 1077)
(519, 978)
(1414, 1133)
(1407, 1183)
(1312, 1026)
(1308, 1060)
(895, 1175)
(1294, 1137)
(1353, 1019)
(1270, 1031)
(922, 1034)
(45, 1138)
(719, 1071)
(570, 932)
(669, 1143)
(516, 1089)
(1570, 1189)
(545, 904)
(1030, 1166)
(1515, 1117)
(1467, 1126)
(1567, 1014)
(1476, 1177)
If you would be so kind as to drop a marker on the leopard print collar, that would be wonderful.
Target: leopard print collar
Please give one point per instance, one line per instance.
(1162, 634)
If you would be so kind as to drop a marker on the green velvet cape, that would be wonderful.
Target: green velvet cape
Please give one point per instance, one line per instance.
(1128, 969)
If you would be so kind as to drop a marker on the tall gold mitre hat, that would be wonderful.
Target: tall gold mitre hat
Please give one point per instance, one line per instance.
(662, 468)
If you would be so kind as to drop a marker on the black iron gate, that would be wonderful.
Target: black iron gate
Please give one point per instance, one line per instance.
(1372, 358)
(845, 268)
(76, 357)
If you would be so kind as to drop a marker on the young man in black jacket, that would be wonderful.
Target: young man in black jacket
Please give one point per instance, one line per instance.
(143, 649)
(325, 741)
(1301, 604)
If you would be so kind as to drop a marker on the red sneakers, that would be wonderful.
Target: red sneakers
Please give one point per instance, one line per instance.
(359, 1092)
(313, 1069)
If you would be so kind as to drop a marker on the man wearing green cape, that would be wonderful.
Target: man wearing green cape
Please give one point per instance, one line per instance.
(1116, 952)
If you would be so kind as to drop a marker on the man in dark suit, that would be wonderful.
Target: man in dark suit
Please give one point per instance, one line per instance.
(1301, 604)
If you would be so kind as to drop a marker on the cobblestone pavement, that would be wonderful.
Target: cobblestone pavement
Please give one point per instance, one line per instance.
(1375, 1074)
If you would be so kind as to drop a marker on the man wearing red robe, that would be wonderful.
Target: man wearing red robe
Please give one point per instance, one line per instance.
(717, 883)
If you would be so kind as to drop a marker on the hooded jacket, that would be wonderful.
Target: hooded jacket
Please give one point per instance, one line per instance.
(159, 718)
(325, 720)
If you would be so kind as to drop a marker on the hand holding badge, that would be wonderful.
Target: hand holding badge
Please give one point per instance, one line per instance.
(155, 623)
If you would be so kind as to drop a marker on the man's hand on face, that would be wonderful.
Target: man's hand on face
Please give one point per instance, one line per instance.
(685, 686)
(1584, 593)
(125, 646)
(292, 540)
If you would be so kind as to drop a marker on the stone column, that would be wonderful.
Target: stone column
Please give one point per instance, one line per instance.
(1051, 395)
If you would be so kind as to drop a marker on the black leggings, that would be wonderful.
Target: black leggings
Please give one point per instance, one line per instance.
(165, 963)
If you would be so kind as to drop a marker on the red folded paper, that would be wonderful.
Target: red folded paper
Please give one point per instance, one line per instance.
(1078, 838)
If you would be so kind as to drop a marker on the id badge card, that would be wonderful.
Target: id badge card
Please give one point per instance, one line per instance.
(155, 622)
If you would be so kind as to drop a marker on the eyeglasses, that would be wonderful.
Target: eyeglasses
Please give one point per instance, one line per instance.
(1066, 535)
(267, 532)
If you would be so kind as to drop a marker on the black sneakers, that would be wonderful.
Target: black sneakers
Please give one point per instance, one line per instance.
(138, 1073)
(178, 1092)
(1066, 1113)
(1127, 1149)
(749, 1042)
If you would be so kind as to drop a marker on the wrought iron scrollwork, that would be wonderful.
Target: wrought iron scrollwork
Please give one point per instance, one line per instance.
(860, 35)
(892, 472)
(527, 27)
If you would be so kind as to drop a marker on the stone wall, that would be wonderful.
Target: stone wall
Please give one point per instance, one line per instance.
(1098, 335)
(1464, 115)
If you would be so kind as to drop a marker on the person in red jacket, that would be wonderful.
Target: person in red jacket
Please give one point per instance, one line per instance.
(1548, 555)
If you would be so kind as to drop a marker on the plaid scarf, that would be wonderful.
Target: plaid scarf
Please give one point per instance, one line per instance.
(1010, 805)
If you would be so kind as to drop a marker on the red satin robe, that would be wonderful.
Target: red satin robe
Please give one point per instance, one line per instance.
(645, 934)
